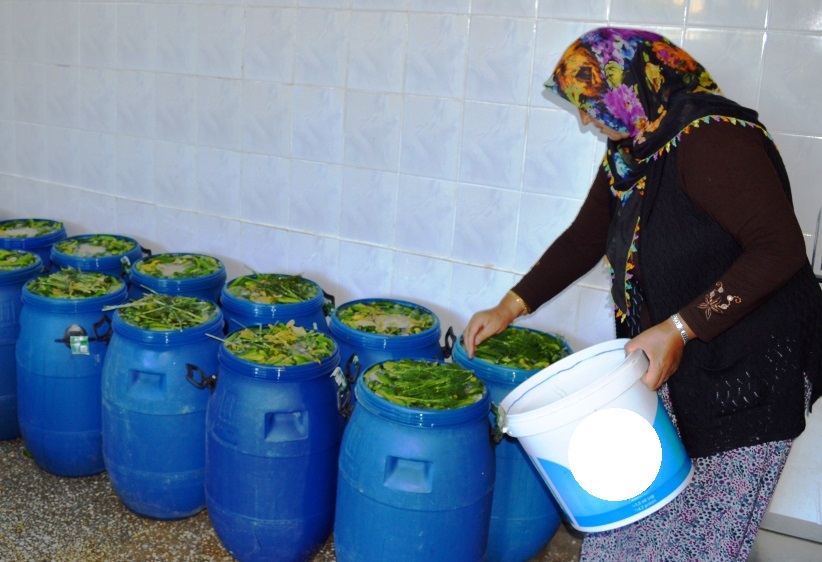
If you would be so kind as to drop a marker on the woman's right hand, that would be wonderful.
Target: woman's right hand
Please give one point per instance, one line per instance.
(489, 322)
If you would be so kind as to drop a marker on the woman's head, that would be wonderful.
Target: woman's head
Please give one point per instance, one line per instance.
(624, 78)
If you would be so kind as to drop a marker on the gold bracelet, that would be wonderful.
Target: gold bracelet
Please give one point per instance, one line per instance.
(525, 308)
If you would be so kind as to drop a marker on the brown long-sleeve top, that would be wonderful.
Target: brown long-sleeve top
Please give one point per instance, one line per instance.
(726, 172)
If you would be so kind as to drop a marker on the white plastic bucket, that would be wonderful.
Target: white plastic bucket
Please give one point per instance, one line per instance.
(601, 439)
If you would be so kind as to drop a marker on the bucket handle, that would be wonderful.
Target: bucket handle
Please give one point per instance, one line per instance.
(205, 381)
(344, 405)
(497, 424)
(328, 304)
(450, 340)
(75, 331)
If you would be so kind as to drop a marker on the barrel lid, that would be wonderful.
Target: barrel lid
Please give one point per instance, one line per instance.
(16, 260)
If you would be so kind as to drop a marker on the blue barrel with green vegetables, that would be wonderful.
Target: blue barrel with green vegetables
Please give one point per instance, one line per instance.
(16, 267)
(64, 333)
(111, 254)
(33, 235)
(373, 330)
(184, 274)
(271, 298)
(273, 431)
(153, 419)
(525, 515)
(416, 468)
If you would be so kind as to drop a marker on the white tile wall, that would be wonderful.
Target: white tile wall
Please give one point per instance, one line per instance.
(381, 147)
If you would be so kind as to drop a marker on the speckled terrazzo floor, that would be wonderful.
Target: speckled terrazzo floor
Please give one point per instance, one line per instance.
(46, 518)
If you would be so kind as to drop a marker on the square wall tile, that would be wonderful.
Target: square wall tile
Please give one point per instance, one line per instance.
(264, 249)
(136, 36)
(436, 60)
(61, 33)
(321, 47)
(98, 165)
(518, 8)
(98, 35)
(750, 14)
(62, 85)
(659, 12)
(369, 206)
(475, 288)
(177, 38)
(8, 156)
(219, 174)
(431, 137)
(265, 192)
(580, 10)
(798, 15)
(7, 91)
(541, 219)
(421, 280)
(485, 225)
(317, 132)
(30, 145)
(220, 41)
(98, 99)
(443, 6)
(135, 169)
(175, 175)
(499, 57)
(270, 37)
(376, 55)
(29, 94)
(27, 35)
(365, 270)
(493, 145)
(175, 107)
(267, 111)
(135, 103)
(790, 102)
(219, 113)
(372, 130)
(425, 216)
(560, 156)
(63, 155)
(733, 58)
(317, 258)
(175, 230)
(315, 197)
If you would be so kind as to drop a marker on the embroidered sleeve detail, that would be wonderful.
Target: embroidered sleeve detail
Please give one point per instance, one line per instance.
(717, 301)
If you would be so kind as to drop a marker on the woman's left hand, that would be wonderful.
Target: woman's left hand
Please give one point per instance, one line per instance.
(663, 345)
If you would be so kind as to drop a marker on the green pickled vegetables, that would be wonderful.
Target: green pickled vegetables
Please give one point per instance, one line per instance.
(28, 228)
(161, 312)
(95, 245)
(74, 284)
(386, 317)
(522, 349)
(280, 344)
(11, 260)
(424, 385)
(272, 288)
(178, 266)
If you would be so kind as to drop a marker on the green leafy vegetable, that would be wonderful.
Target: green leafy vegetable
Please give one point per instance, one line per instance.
(423, 384)
(386, 317)
(272, 288)
(74, 284)
(280, 344)
(16, 259)
(28, 228)
(95, 245)
(522, 349)
(161, 312)
(178, 266)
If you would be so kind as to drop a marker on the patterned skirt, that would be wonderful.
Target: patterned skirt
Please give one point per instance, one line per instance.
(715, 518)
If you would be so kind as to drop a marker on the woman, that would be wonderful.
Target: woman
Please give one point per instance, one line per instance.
(692, 209)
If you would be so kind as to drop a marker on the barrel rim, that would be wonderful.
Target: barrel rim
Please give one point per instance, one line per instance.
(367, 340)
(68, 260)
(22, 274)
(246, 307)
(184, 284)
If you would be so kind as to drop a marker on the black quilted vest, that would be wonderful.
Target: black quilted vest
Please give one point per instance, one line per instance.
(747, 385)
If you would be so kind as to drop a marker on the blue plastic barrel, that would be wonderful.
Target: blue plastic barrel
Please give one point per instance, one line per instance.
(368, 349)
(525, 515)
(272, 441)
(60, 354)
(153, 419)
(242, 312)
(207, 286)
(87, 252)
(414, 485)
(33, 235)
(12, 278)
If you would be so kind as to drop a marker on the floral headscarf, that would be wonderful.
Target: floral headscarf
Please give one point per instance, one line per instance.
(636, 82)
(625, 78)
